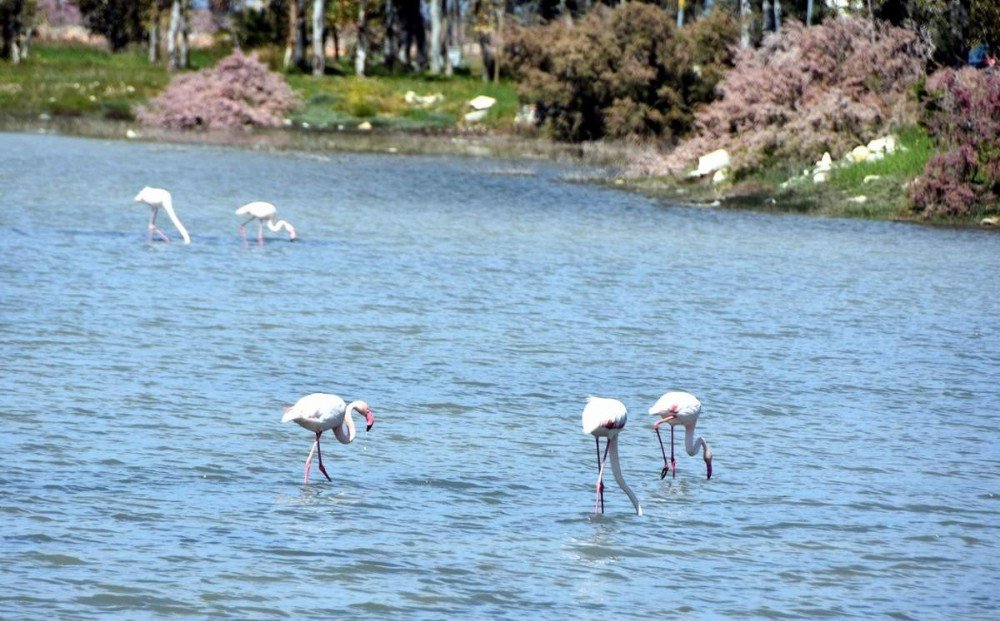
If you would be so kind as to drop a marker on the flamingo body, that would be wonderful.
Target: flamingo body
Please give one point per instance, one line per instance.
(605, 418)
(263, 211)
(158, 198)
(680, 408)
(319, 412)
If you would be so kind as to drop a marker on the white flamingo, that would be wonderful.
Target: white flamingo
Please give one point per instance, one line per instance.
(680, 408)
(261, 211)
(605, 418)
(157, 198)
(319, 412)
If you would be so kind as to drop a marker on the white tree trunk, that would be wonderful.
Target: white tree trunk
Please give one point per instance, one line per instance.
(680, 13)
(154, 38)
(809, 13)
(185, 55)
(361, 49)
(437, 63)
(319, 20)
(173, 62)
(745, 19)
(777, 15)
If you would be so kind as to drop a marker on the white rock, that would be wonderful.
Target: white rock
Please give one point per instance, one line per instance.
(720, 175)
(365, 126)
(131, 134)
(475, 116)
(886, 144)
(711, 162)
(527, 115)
(860, 153)
(44, 117)
(482, 103)
(824, 164)
(870, 178)
(990, 221)
(874, 157)
(861, 200)
(821, 177)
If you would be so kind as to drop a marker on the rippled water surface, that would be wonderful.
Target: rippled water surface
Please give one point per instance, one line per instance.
(848, 372)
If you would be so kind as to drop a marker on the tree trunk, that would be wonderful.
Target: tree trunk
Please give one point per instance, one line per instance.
(436, 61)
(499, 51)
(565, 13)
(295, 52)
(767, 16)
(319, 19)
(680, 13)
(777, 15)
(185, 56)
(809, 13)
(391, 47)
(361, 50)
(173, 63)
(745, 19)
(706, 6)
(154, 36)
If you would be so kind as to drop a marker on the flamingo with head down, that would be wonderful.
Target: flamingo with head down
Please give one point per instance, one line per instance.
(605, 418)
(261, 211)
(320, 412)
(680, 408)
(157, 199)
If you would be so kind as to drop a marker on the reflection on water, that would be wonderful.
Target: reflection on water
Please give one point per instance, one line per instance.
(844, 369)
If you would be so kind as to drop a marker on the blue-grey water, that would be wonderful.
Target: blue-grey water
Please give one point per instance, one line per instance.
(848, 371)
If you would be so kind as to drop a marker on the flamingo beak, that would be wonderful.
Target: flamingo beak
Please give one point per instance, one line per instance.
(708, 467)
(370, 419)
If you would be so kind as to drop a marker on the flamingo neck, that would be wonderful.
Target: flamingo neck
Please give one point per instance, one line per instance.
(168, 207)
(691, 445)
(616, 469)
(346, 437)
(276, 227)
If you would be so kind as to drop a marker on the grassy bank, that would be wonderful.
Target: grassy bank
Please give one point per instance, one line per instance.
(871, 190)
(79, 81)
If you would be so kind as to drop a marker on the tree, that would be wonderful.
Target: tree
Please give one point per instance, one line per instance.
(318, 23)
(120, 21)
(437, 59)
(16, 19)
(295, 50)
(177, 36)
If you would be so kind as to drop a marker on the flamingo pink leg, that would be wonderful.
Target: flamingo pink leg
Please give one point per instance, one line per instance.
(153, 229)
(663, 451)
(600, 474)
(260, 232)
(243, 233)
(319, 454)
(673, 464)
(310, 458)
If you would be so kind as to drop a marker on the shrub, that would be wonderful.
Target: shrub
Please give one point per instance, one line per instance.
(806, 91)
(963, 116)
(239, 92)
(623, 72)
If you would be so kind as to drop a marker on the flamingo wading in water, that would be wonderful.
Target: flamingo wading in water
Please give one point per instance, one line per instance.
(158, 198)
(261, 211)
(680, 408)
(319, 412)
(605, 418)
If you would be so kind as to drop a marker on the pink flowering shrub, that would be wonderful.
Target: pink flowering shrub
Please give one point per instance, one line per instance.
(239, 92)
(806, 91)
(963, 116)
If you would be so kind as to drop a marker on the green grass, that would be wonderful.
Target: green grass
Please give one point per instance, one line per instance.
(885, 196)
(341, 98)
(72, 80)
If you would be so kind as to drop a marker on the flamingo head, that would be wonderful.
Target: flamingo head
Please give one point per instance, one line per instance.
(291, 233)
(366, 409)
(708, 462)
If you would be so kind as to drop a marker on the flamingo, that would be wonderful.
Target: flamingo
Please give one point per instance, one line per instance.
(606, 418)
(157, 198)
(680, 408)
(319, 412)
(261, 211)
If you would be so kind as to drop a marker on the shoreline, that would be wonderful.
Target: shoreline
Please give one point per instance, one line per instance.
(612, 157)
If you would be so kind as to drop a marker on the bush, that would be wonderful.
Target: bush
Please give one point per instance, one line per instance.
(963, 116)
(239, 92)
(806, 91)
(623, 72)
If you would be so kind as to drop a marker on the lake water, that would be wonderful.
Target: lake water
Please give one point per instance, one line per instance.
(847, 369)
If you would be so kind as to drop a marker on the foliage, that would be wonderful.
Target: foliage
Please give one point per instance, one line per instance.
(120, 21)
(620, 72)
(963, 116)
(239, 92)
(806, 91)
